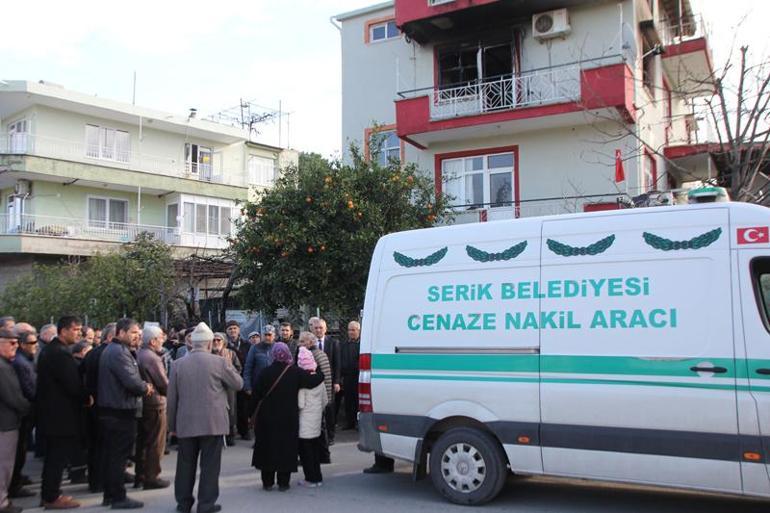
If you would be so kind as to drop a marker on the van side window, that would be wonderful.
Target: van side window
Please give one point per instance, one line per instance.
(760, 271)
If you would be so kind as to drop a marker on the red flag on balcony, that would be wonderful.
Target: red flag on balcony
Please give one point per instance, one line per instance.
(620, 175)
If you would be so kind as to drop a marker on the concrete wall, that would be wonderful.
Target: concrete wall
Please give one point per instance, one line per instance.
(551, 161)
(71, 201)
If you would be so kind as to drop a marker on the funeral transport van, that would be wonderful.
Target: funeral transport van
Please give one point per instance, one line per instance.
(629, 346)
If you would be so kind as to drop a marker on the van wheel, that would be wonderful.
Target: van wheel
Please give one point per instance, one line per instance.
(467, 466)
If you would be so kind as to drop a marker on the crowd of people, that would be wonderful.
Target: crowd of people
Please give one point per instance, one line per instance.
(93, 402)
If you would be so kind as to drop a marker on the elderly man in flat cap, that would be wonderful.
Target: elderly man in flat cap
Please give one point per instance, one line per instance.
(200, 378)
(13, 406)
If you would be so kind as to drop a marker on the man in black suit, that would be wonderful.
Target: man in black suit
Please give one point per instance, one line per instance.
(330, 346)
(60, 399)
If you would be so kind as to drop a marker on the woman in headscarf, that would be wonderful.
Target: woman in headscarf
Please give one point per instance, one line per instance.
(276, 426)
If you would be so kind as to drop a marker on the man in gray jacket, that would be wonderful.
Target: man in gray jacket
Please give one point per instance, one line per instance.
(200, 378)
(151, 439)
(13, 406)
(120, 387)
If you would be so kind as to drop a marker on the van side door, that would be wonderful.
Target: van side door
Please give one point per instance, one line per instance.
(638, 382)
(754, 357)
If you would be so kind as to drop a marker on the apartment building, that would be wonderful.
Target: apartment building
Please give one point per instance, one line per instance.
(80, 174)
(525, 108)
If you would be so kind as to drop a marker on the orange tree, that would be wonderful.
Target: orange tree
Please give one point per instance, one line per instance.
(309, 239)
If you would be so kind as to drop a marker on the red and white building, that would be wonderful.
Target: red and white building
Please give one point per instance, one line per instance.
(520, 108)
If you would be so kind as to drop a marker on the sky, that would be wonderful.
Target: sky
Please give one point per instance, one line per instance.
(209, 55)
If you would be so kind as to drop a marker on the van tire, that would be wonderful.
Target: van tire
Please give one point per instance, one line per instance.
(452, 461)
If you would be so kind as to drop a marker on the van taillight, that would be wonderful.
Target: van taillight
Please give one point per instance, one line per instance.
(365, 383)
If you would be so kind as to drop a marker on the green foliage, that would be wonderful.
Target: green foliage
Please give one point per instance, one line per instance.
(309, 240)
(136, 281)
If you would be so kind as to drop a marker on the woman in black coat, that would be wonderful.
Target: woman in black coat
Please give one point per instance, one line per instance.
(276, 428)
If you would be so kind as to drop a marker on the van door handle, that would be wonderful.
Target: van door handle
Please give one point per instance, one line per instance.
(715, 370)
(763, 371)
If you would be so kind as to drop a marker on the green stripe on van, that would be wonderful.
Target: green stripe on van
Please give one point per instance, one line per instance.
(457, 362)
(564, 364)
(569, 381)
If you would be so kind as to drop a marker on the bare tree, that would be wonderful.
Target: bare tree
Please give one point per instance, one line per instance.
(739, 111)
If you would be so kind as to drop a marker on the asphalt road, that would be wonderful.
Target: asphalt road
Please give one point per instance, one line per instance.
(347, 490)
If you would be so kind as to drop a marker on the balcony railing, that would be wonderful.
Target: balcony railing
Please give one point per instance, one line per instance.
(71, 228)
(51, 147)
(674, 32)
(506, 92)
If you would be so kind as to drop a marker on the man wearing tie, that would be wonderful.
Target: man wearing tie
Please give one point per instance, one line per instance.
(331, 347)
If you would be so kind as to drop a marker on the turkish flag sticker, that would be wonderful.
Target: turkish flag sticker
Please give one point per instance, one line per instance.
(754, 235)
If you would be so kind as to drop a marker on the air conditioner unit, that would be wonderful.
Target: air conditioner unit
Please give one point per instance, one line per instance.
(22, 188)
(551, 24)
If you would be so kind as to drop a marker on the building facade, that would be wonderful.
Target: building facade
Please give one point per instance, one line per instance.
(81, 174)
(525, 108)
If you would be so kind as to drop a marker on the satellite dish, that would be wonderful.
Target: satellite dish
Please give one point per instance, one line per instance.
(628, 42)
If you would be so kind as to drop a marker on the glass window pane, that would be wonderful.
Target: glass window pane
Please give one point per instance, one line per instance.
(224, 220)
(474, 164)
(474, 189)
(502, 160)
(200, 219)
(213, 219)
(118, 212)
(764, 285)
(92, 141)
(501, 189)
(108, 143)
(452, 176)
(97, 212)
(122, 146)
(378, 32)
(172, 213)
(189, 217)
(392, 29)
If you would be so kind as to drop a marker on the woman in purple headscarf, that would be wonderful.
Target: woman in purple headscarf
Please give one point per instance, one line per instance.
(276, 417)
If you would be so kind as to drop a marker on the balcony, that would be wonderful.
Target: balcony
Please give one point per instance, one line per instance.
(433, 20)
(66, 230)
(687, 56)
(76, 151)
(540, 87)
(543, 98)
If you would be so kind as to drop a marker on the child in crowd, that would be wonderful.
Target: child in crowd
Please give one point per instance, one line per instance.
(311, 407)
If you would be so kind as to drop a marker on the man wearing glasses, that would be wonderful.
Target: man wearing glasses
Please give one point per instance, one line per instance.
(13, 406)
(24, 365)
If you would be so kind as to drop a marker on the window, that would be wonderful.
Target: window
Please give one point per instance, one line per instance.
(760, 270)
(200, 219)
(204, 219)
(172, 216)
(213, 219)
(261, 171)
(480, 180)
(464, 64)
(18, 132)
(384, 146)
(648, 66)
(383, 31)
(107, 213)
(198, 160)
(107, 144)
(224, 219)
(649, 172)
(189, 217)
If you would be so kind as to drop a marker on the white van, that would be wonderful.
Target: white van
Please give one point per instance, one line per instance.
(628, 346)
